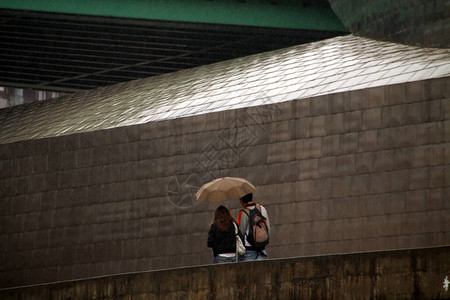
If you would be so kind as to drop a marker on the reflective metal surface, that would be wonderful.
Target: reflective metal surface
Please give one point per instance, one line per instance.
(424, 23)
(335, 65)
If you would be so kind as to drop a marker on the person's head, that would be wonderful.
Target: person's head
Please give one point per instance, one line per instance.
(223, 218)
(246, 199)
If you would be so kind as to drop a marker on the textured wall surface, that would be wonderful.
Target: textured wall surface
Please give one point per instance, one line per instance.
(355, 171)
(419, 22)
(408, 274)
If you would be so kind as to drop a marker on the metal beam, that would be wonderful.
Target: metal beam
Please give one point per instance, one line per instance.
(295, 14)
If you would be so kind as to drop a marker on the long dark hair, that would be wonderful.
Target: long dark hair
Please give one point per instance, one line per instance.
(223, 218)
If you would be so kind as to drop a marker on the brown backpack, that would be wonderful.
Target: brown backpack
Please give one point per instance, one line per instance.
(258, 233)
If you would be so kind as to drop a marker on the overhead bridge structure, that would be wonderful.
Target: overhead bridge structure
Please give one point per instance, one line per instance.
(70, 46)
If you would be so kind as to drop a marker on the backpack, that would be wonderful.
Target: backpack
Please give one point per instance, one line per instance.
(258, 233)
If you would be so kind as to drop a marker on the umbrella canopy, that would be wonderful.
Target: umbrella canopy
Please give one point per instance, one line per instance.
(224, 188)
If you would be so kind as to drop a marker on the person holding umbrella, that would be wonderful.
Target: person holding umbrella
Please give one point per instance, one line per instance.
(255, 239)
(222, 236)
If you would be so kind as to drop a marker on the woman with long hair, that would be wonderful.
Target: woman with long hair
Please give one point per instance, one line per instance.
(222, 236)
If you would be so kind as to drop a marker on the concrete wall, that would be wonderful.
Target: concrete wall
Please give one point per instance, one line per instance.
(408, 274)
(356, 171)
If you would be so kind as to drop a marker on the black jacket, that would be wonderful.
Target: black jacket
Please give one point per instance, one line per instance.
(222, 241)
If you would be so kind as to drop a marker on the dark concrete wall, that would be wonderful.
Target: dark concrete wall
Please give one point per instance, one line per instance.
(419, 22)
(410, 274)
(356, 171)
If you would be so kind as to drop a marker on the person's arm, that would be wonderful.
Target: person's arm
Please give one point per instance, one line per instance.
(211, 236)
(265, 215)
(242, 221)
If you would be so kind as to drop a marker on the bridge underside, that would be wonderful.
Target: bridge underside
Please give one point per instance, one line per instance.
(78, 47)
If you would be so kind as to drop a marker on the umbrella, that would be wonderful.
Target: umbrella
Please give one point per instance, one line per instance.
(224, 188)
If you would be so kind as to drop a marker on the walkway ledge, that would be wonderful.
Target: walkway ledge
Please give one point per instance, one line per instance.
(400, 274)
